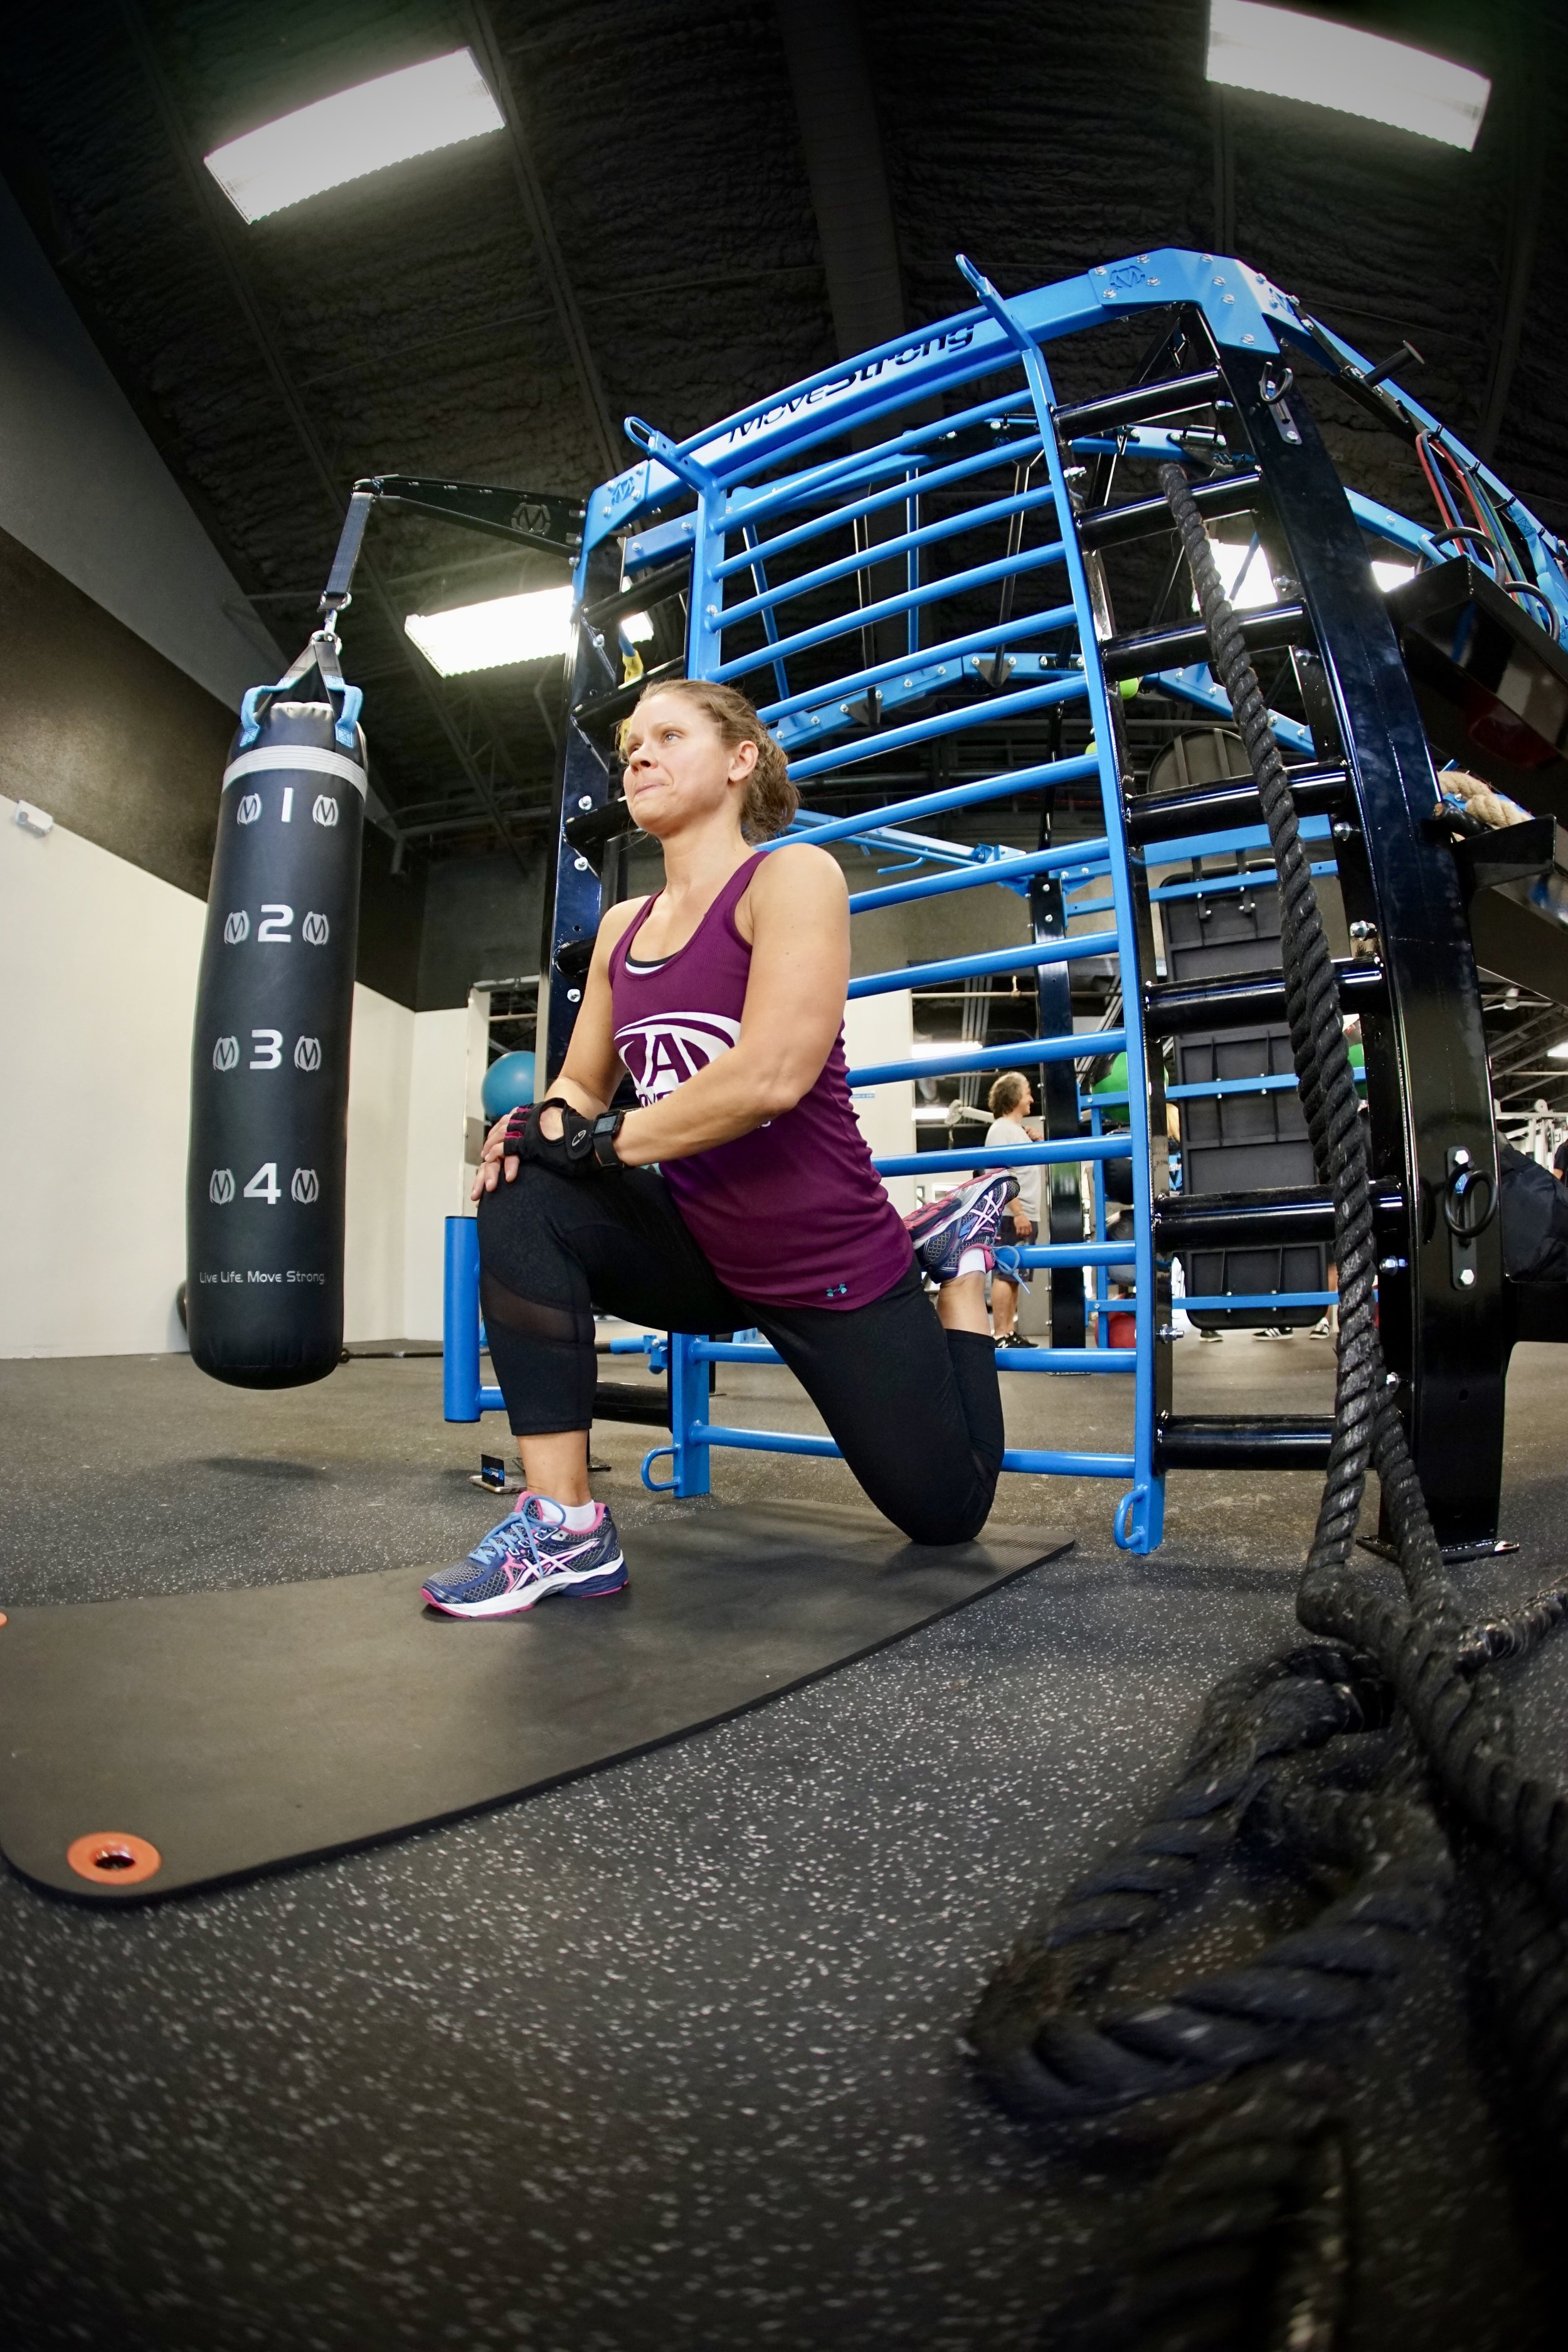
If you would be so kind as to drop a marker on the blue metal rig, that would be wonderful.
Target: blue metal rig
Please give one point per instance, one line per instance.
(906, 560)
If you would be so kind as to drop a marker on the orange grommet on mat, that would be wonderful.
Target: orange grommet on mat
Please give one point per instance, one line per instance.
(114, 1857)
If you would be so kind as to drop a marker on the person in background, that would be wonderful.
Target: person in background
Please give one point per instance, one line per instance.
(1559, 1161)
(1011, 1101)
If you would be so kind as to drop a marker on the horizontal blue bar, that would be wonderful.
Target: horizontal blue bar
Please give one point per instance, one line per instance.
(1262, 1298)
(1075, 1254)
(492, 1400)
(1044, 952)
(1088, 1046)
(1069, 1465)
(1220, 886)
(760, 1440)
(981, 713)
(914, 666)
(1035, 1155)
(919, 485)
(1007, 869)
(746, 503)
(992, 788)
(1216, 1086)
(1012, 1359)
(912, 847)
(781, 1440)
(1066, 1359)
(888, 608)
(888, 551)
(1224, 845)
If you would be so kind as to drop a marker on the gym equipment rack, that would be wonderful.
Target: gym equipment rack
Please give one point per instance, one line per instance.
(794, 549)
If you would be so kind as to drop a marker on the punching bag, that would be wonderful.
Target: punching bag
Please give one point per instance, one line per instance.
(269, 1085)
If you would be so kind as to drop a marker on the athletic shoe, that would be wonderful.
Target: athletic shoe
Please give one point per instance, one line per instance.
(1322, 1330)
(965, 1220)
(528, 1557)
(1014, 1340)
(1213, 1337)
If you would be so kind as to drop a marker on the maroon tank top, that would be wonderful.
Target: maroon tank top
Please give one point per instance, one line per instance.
(793, 1214)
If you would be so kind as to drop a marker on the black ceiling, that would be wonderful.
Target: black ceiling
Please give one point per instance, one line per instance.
(650, 243)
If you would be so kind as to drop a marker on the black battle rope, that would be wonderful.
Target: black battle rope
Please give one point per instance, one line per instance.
(1331, 1759)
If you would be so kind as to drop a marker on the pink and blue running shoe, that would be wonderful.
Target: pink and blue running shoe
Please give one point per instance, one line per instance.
(530, 1555)
(965, 1220)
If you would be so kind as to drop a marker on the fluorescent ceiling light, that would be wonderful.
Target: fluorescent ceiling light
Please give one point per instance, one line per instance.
(1288, 56)
(637, 628)
(1558, 1053)
(931, 1114)
(505, 629)
(1244, 574)
(1391, 575)
(362, 129)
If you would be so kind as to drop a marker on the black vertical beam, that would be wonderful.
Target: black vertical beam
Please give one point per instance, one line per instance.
(1430, 1090)
(585, 772)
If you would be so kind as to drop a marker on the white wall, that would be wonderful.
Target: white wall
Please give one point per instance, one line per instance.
(98, 976)
(439, 1178)
(98, 973)
(879, 1029)
(83, 486)
(379, 1057)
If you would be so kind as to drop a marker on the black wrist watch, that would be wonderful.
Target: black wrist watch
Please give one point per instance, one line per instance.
(604, 1132)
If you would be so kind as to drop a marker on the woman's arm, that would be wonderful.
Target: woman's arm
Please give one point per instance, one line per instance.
(799, 905)
(592, 1070)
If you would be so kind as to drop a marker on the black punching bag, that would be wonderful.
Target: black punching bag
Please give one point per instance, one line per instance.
(269, 1086)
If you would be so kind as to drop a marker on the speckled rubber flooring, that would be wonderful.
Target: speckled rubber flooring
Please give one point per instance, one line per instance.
(668, 2058)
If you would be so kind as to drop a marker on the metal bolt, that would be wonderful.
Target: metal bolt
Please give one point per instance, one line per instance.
(584, 800)
(1467, 1276)
(582, 864)
(574, 995)
(1461, 1158)
(1341, 830)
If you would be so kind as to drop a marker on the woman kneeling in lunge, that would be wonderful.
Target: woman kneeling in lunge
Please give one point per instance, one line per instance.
(741, 1192)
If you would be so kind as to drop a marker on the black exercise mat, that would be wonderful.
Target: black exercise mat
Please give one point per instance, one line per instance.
(233, 1732)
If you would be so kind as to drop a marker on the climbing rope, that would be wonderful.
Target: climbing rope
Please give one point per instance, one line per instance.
(1378, 1759)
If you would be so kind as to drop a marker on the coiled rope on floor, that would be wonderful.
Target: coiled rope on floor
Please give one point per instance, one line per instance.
(1381, 1755)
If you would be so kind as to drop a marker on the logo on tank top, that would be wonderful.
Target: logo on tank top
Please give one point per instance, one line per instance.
(666, 1048)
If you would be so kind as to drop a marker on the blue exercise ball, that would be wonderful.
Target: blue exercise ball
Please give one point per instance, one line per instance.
(507, 1083)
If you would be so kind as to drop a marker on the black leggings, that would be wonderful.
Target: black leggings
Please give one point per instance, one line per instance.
(915, 1409)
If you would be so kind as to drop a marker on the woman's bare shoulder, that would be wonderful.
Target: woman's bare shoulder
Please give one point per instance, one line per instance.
(796, 867)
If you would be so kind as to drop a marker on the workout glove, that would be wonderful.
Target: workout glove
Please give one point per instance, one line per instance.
(582, 1145)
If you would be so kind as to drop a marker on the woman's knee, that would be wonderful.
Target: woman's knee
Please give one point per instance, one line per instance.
(526, 1205)
(946, 1522)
